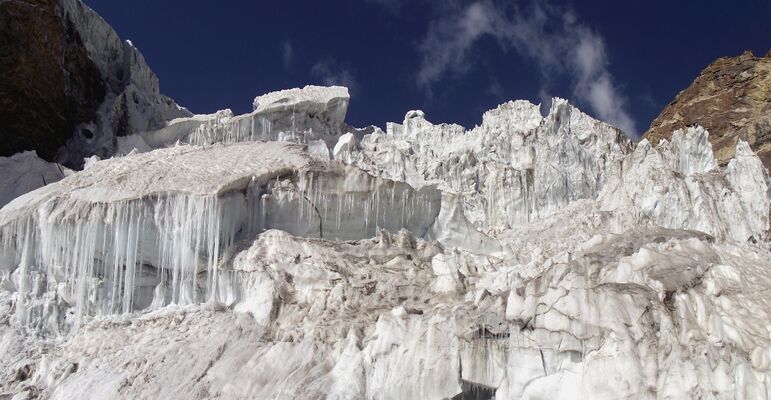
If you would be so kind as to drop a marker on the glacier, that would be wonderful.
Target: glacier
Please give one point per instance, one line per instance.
(284, 254)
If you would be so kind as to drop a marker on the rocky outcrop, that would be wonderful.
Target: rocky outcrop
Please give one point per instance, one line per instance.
(48, 85)
(731, 98)
(70, 88)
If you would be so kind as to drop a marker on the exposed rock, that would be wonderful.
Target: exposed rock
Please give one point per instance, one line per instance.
(731, 98)
(48, 83)
(70, 88)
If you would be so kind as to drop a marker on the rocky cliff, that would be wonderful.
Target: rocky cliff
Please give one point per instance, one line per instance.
(731, 98)
(70, 88)
(48, 85)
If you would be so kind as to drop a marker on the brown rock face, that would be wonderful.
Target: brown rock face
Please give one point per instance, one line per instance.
(48, 85)
(731, 98)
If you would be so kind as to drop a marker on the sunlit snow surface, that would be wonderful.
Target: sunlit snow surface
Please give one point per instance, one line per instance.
(536, 257)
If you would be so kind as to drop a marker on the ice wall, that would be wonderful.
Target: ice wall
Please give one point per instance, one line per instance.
(519, 167)
(515, 168)
(131, 233)
(678, 185)
(312, 115)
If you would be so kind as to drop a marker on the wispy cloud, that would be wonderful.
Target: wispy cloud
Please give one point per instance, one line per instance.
(550, 36)
(594, 84)
(394, 6)
(450, 38)
(647, 98)
(287, 53)
(496, 89)
(330, 72)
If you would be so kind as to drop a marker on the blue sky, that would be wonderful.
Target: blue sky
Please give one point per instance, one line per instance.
(621, 61)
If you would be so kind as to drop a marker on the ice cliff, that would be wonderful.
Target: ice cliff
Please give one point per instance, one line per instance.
(284, 254)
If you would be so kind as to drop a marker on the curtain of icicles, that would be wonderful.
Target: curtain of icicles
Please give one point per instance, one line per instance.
(119, 257)
(99, 260)
(292, 126)
(239, 129)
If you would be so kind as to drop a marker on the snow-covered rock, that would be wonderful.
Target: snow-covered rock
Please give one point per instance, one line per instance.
(132, 103)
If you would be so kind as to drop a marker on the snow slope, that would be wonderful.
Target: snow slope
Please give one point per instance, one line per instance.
(529, 257)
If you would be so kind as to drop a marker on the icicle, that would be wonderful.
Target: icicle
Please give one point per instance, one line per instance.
(293, 128)
(24, 241)
(366, 215)
(339, 211)
(377, 209)
(301, 199)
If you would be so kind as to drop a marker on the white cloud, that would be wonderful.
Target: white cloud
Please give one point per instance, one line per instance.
(287, 53)
(330, 72)
(594, 84)
(449, 40)
(550, 36)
